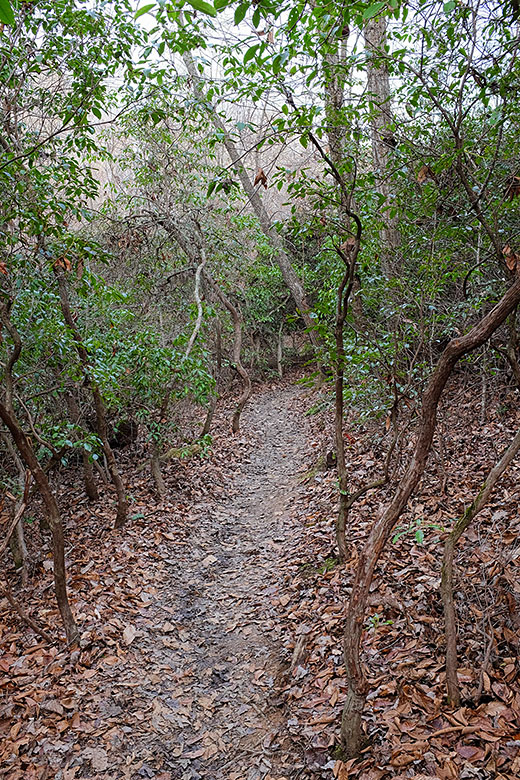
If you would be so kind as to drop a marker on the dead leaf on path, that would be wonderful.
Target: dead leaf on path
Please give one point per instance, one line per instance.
(511, 257)
(408, 752)
(52, 706)
(129, 634)
(97, 757)
(470, 752)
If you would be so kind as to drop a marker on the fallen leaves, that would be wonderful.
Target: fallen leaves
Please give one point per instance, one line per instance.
(146, 672)
(412, 731)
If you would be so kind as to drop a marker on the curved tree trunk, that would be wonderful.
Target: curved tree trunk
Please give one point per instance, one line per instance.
(99, 406)
(28, 456)
(450, 620)
(26, 451)
(290, 276)
(156, 458)
(357, 689)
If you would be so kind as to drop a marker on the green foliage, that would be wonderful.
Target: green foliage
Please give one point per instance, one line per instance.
(415, 530)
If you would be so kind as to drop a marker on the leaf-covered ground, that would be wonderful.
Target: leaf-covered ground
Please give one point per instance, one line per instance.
(179, 666)
(412, 732)
(212, 624)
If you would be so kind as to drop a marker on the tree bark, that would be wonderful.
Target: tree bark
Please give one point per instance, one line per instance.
(28, 456)
(88, 470)
(99, 406)
(450, 619)
(26, 451)
(357, 689)
(236, 316)
(378, 88)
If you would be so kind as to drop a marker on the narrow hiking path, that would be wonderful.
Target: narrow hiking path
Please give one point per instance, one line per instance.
(217, 664)
(183, 629)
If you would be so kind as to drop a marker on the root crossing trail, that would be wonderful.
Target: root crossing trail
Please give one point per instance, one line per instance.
(219, 661)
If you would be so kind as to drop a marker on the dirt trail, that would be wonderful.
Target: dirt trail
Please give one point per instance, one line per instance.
(214, 698)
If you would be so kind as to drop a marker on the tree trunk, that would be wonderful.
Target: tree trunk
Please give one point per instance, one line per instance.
(88, 470)
(333, 76)
(236, 316)
(99, 406)
(351, 732)
(290, 276)
(209, 416)
(157, 476)
(17, 538)
(163, 412)
(450, 620)
(378, 87)
(279, 352)
(343, 295)
(28, 456)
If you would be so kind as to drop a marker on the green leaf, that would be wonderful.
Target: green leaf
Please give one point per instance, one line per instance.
(96, 112)
(6, 12)
(449, 6)
(256, 17)
(241, 12)
(205, 8)
(140, 11)
(250, 53)
(373, 10)
(419, 536)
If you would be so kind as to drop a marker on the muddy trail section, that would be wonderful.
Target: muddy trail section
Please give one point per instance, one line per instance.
(184, 648)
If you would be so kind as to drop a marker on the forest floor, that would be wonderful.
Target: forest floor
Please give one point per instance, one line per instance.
(211, 625)
(181, 653)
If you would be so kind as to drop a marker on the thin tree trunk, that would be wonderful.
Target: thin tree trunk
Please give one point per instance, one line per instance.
(156, 459)
(17, 536)
(88, 470)
(6, 593)
(290, 276)
(157, 476)
(209, 416)
(28, 456)
(378, 87)
(342, 300)
(26, 451)
(351, 731)
(450, 620)
(279, 346)
(333, 76)
(99, 406)
(236, 316)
